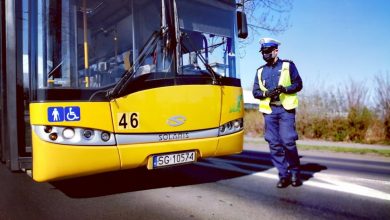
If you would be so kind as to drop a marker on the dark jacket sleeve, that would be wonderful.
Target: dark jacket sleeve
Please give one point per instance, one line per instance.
(296, 81)
(257, 93)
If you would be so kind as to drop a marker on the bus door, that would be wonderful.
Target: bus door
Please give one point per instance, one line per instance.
(1, 80)
(14, 86)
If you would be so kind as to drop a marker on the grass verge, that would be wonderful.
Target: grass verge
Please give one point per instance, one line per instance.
(385, 153)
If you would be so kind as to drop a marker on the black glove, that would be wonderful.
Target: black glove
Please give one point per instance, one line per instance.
(281, 89)
(272, 93)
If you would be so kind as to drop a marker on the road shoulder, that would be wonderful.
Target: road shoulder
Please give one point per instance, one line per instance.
(259, 144)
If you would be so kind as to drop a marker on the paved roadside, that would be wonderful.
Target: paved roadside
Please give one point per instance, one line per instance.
(326, 143)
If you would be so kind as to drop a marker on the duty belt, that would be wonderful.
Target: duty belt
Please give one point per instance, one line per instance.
(276, 103)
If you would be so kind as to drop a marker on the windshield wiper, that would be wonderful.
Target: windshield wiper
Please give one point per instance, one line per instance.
(122, 84)
(213, 74)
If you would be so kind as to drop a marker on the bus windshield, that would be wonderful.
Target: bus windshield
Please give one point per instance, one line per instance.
(92, 44)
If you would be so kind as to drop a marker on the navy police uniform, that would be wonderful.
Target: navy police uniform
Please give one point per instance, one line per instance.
(280, 131)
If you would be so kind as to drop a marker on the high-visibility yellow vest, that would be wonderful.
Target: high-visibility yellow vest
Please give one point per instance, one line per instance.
(288, 101)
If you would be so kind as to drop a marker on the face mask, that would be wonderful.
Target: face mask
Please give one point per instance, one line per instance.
(268, 57)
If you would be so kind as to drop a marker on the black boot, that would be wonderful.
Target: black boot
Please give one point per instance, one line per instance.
(283, 183)
(296, 180)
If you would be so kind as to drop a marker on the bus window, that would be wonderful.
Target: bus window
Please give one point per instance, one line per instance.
(215, 37)
(217, 52)
(91, 43)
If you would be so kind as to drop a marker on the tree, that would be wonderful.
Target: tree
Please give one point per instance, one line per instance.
(382, 100)
(266, 16)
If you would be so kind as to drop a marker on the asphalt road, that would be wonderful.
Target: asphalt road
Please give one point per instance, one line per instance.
(234, 187)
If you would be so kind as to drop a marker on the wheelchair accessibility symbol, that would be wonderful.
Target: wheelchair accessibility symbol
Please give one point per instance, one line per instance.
(72, 113)
(58, 114)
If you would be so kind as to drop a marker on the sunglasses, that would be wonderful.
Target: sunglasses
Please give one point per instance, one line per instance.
(267, 50)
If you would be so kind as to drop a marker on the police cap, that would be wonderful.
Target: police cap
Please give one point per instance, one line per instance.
(267, 42)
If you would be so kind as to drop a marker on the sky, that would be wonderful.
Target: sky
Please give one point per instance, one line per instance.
(331, 42)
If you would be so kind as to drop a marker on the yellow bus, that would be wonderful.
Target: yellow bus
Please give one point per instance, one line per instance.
(121, 84)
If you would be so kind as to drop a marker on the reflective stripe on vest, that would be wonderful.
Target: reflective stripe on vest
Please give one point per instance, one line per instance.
(289, 101)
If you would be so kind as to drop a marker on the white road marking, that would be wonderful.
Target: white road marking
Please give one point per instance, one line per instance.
(261, 166)
(351, 179)
(342, 186)
(310, 160)
(325, 181)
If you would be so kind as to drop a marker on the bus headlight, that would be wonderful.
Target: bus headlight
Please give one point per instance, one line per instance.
(47, 129)
(74, 135)
(88, 134)
(231, 127)
(105, 136)
(222, 129)
(53, 136)
(236, 124)
(68, 133)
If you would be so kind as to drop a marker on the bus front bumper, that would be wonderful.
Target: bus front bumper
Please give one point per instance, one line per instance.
(54, 161)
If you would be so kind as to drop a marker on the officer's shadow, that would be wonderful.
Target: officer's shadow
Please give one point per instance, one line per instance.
(309, 169)
(256, 161)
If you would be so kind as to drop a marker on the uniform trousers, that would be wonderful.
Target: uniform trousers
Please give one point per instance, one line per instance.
(281, 135)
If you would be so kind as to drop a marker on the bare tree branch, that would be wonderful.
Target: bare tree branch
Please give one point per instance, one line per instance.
(382, 94)
(357, 94)
(266, 17)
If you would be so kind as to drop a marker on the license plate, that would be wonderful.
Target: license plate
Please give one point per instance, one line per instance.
(173, 159)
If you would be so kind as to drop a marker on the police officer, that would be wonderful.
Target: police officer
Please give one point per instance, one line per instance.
(276, 85)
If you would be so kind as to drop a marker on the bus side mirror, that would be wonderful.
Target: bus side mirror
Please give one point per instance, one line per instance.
(242, 25)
